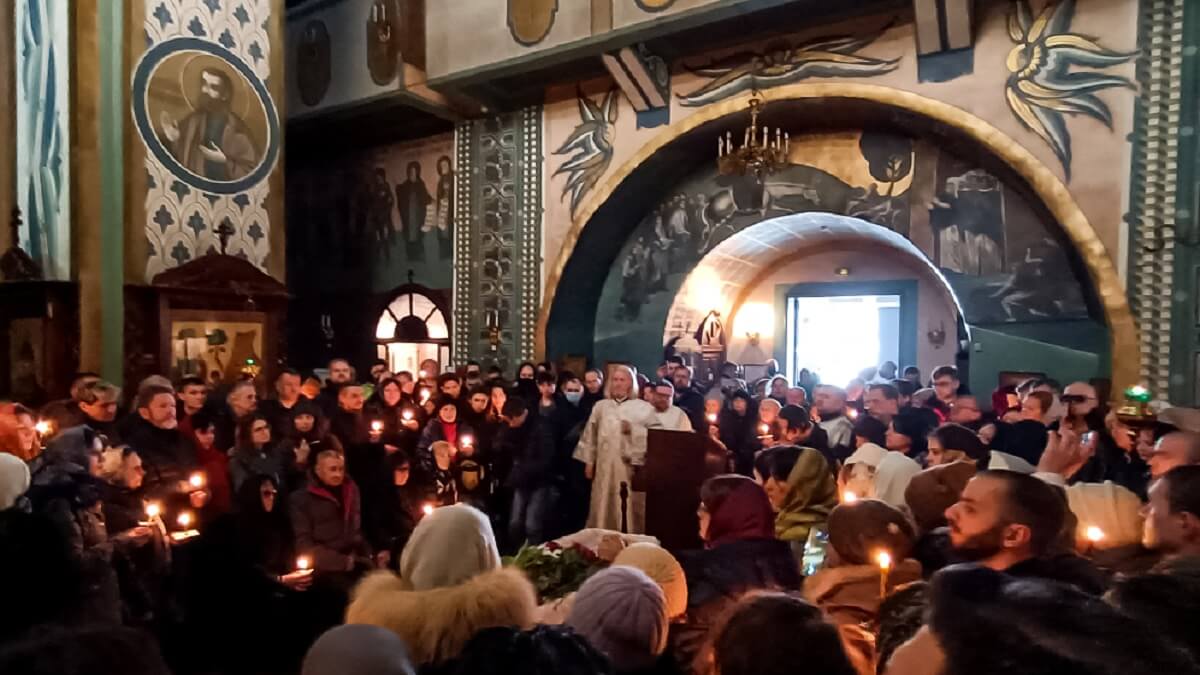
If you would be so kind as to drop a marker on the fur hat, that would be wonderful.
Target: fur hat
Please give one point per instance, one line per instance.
(623, 613)
(664, 569)
(936, 489)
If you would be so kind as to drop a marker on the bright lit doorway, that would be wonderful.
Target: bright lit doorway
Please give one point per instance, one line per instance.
(848, 327)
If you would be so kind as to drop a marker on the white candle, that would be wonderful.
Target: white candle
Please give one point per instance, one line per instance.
(196, 480)
(303, 563)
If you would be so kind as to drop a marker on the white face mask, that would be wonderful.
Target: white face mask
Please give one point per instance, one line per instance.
(573, 397)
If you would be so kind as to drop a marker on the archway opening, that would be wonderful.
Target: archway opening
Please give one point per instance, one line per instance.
(1019, 255)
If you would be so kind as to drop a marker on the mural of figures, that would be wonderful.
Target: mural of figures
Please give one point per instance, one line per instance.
(783, 63)
(998, 255)
(1042, 86)
(371, 217)
(413, 199)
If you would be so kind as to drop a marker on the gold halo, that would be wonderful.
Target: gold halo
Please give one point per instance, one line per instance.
(190, 68)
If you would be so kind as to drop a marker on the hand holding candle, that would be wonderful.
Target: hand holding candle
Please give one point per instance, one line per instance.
(303, 563)
(153, 510)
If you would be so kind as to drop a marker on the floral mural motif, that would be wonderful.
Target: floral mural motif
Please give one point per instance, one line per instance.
(1042, 87)
(590, 146)
(781, 63)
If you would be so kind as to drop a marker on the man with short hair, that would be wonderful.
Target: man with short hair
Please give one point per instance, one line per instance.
(379, 370)
(449, 385)
(1012, 522)
(830, 404)
(913, 374)
(688, 398)
(882, 402)
(327, 518)
(796, 396)
(1172, 515)
(340, 373)
(669, 416)
(528, 440)
(494, 373)
(242, 400)
(946, 384)
(95, 407)
(886, 373)
(796, 427)
(430, 369)
(547, 385)
(965, 411)
(167, 455)
(1178, 448)
(279, 409)
(193, 395)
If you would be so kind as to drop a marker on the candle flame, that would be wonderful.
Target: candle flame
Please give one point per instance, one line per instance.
(303, 562)
(848, 497)
(763, 429)
(407, 415)
(852, 413)
(421, 374)
(42, 427)
(376, 426)
(427, 509)
(884, 559)
(712, 417)
(153, 509)
(185, 519)
(196, 480)
(1094, 534)
(467, 440)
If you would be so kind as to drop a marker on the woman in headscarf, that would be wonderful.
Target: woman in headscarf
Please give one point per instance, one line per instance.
(874, 473)
(741, 554)
(738, 425)
(246, 559)
(307, 435)
(801, 489)
(848, 587)
(450, 587)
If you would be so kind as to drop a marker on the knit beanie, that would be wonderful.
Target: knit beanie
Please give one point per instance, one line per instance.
(936, 489)
(358, 649)
(14, 481)
(623, 613)
(664, 569)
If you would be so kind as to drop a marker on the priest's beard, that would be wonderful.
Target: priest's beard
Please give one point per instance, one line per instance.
(979, 546)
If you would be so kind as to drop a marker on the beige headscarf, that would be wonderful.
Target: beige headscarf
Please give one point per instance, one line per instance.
(892, 476)
(448, 547)
(664, 569)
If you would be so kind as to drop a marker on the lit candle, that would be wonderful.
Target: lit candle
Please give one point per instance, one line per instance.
(377, 426)
(196, 480)
(407, 414)
(1094, 534)
(185, 520)
(852, 413)
(153, 510)
(885, 565)
(466, 441)
(763, 429)
(303, 563)
(712, 418)
(421, 374)
(42, 427)
(424, 396)
(848, 497)
(427, 509)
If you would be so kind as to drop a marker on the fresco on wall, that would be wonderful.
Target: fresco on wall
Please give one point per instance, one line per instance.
(1043, 86)
(999, 257)
(211, 129)
(530, 21)
(589, 148)
(372, 217)
(781, 63)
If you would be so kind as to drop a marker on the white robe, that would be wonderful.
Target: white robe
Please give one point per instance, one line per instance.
(674, 419)
(613, 455)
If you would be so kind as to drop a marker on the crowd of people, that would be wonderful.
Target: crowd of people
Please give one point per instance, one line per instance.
(366, 524)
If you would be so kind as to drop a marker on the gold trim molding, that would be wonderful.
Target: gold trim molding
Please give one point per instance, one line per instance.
(1126, 356)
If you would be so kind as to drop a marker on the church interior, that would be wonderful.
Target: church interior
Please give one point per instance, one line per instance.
(546, 182)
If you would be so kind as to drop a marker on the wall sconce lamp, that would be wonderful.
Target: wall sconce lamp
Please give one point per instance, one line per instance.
(493, 326)
(842, 271)
(754, 320)
(753, 337)
(937, 336)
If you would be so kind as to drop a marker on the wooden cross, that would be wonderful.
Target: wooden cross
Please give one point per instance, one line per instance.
(224, 231)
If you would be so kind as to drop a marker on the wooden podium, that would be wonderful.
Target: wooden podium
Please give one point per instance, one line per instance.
(677, 464)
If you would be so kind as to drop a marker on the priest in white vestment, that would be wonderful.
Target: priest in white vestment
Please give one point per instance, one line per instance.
(612, 443)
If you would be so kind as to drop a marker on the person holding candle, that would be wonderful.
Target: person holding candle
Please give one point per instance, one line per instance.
(168, 456)
(740, 555)
(737, 423)
(213, 463)
(326, 516)
(869, 551)
(445, 426)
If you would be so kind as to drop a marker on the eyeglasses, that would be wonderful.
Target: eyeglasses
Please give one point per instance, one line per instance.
(258, 429)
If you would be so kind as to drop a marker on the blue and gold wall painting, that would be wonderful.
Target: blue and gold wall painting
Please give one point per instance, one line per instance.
(1043, 86)
(211, 129)
(589, 147)
(1001, 259)
(782, 63)
(530, 21)
(368, 219)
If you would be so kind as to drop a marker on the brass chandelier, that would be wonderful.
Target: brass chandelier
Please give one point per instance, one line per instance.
(763, 151)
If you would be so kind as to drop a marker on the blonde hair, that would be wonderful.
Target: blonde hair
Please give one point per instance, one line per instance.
(633, 381)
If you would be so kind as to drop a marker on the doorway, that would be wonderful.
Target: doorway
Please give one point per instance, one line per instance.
(835, 330)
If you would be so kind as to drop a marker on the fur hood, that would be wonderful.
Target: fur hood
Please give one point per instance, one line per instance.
(436, 624)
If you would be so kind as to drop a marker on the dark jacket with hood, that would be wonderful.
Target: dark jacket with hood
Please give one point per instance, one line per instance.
(532, 449)
(167, 456)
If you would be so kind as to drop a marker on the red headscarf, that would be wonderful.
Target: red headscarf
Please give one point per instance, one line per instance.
(742, 513)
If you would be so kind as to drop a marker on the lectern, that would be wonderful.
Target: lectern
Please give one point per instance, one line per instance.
(677, 464)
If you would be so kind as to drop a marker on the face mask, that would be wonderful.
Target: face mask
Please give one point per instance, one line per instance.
(573, 396)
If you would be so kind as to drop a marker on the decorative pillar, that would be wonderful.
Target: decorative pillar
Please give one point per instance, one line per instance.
(1153, 218)
(498, 219)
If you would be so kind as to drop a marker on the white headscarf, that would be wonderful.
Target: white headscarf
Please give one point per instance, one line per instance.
(448, 547)
(892, 476)
(14, 479)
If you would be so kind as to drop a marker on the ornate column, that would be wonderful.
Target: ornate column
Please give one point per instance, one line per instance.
(498, 218)
(1157, 217)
